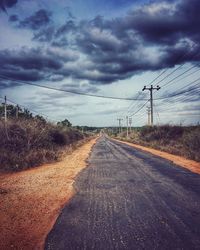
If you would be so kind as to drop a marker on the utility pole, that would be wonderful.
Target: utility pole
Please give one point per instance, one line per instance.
(148, 112)
(17, 111)
(5, 110)
(130, 122)
(5, 117)
(151, 99)
(127, 126)
(120, 129)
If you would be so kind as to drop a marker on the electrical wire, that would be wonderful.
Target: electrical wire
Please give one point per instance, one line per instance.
(69, 91)
(180, 92)
(139, 109)
(181, 57)
(194, 66)
(186, 76)
(20, 105)
(130, 106)
(86, 94)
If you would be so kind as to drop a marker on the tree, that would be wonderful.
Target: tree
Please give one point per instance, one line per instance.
(40, 118)
(64, 123)
(16, 111)
(11, 110)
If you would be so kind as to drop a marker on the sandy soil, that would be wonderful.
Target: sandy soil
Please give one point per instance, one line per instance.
(181, 161)
(30, 201)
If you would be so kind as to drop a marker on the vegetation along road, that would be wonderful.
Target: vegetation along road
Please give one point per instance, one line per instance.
(128, 199)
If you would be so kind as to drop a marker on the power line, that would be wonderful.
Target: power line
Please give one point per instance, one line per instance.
(180, 75)
(192, 73)
(173, 80)
(158, 76)
(180, 66)
(170, 74)
(179, 99)
(180, 92)
(70, 91)
(151, 98)
(25, 107)
(139, 108)
(163, 72)
(139, 93)
(159, 121)
(181, 57)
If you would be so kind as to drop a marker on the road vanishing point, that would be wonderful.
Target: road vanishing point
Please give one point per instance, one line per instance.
(129, 199)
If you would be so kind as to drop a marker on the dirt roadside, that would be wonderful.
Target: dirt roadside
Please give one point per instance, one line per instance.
(30, 201)
(178, 160)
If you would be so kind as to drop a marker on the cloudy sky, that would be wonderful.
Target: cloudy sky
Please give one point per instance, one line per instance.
(109, 48)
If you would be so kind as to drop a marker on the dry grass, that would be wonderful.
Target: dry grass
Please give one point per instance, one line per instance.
(178, 140)
(32, 199)
(181, 161)
(31, 142)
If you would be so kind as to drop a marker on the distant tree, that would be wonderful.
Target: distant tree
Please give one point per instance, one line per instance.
(13, 111)
(40, 118)
(25, 113)
(65, 123)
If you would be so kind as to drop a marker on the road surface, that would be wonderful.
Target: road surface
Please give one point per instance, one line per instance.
(129, 199)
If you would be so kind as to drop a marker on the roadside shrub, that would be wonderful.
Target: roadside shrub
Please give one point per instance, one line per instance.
(191, 141)
(184, 141)
(28, 143)
(58, 137)
(164, 133)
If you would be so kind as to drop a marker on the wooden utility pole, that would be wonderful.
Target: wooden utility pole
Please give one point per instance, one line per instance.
(120, 128)
(127, 126)
(130, 123)
(151, 99)
(5, 110)
(148, 112)
(5, 116)
(17, 111)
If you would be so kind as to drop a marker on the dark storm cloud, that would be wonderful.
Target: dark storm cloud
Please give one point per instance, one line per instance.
(32, 64)
(161, 22)
(61, 43)
(22, 75)
(38, 20)
(69, 26)
(83, 88)
(4, 84)
(57, 37)
(117, 47)
(4, 4)
(44, 34)
(13, 18)
(28, 59)
(41, 23)
(151, 37)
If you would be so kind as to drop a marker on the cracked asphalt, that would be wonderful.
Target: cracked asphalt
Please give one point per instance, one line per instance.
(129, 199)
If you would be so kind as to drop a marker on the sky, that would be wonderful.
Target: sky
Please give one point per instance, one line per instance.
(110, 48)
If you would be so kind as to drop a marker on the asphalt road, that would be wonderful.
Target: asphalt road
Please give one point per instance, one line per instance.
(128, 199)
